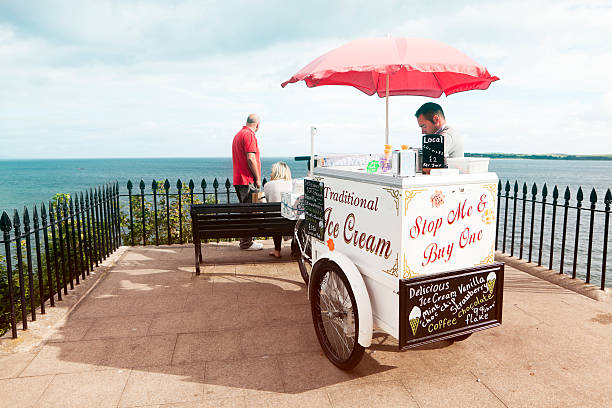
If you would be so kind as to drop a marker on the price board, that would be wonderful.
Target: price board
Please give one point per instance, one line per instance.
(314, 208)
(433, 151)
(450, 304)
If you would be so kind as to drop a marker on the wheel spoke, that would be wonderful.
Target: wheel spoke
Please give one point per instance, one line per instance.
(337, 314)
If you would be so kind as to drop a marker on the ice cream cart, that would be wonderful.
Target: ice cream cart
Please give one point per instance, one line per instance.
(413, 256)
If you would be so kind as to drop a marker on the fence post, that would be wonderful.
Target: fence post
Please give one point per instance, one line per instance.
(99, 233)
(523, 219)
(81, 252)
(154, 188)
(552, 231)
(109, 220)
(544, 194)
(68, 255)
(60, 228)
(104, 220)
(17, 234)
(43, 215)
(129, 187)
(179, 187)
(514, 217)
(534, 192)
(41, 283)
(26, 233)
(227, 189)
(216, 188)
(593, 199)
(167, 188)
(566, 197)
(506, 215)
(86, 241)
(191, 187)
(55, 252)
(118, 207)
(5, 226)
(607, 201)
(579, 197)
(142, 203)
(203, 185)
(76, 254)
(91, 228)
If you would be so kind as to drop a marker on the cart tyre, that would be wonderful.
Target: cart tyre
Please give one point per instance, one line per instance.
(461, 338)
(304, 249)
(340, 345)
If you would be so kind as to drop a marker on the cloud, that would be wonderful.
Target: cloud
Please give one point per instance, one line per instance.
(125, 79)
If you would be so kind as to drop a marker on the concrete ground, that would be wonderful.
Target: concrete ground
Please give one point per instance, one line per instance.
(147, 332)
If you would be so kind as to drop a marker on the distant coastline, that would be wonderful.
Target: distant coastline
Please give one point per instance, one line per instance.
(540, 156)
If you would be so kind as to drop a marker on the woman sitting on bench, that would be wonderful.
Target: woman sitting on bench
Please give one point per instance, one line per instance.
(280, 182)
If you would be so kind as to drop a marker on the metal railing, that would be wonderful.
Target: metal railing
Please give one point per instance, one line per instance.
(158, 216)
(54, 253)
(528, 226)
(64, 241)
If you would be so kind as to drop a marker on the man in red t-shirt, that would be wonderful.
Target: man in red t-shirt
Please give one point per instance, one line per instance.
(247, 169)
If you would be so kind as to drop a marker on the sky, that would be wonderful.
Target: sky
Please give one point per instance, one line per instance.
(103, 78)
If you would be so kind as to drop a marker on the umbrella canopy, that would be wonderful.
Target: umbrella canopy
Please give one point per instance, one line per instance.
(396, 66)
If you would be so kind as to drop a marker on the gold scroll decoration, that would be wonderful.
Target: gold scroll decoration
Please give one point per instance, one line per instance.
(408, 273)
(396, 194)
(489, 259)
(394, 268)
(493, 189)
(409, 195)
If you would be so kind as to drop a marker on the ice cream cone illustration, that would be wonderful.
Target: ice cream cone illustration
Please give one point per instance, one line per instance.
(414, 317)
(491, 281)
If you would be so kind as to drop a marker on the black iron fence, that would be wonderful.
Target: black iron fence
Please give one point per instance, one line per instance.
(63, 242)
(54, 251)
(156, 215)
(563, 233)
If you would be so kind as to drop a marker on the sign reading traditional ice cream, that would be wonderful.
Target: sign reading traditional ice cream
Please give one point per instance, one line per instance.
(450, 304)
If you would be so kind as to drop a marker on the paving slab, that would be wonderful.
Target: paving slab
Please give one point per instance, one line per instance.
(93, 389)
(148, 332)
(23, 391)
(159, 385)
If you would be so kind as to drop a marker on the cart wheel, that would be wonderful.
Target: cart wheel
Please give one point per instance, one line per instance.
(304, 248)
(335, 315)
(461, 338)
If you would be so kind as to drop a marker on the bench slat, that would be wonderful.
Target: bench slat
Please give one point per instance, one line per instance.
(236, 216)
(235, 208)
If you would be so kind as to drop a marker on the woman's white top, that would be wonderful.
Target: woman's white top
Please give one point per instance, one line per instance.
(274, 188)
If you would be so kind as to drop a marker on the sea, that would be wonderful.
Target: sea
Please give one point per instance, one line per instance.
(28, 182)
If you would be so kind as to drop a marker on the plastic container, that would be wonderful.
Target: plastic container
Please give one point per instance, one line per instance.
(469, 165)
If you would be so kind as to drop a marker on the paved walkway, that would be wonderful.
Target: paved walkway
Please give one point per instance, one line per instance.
(151, 334)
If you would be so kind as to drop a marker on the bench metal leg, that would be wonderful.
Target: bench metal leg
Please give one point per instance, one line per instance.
(198, 256)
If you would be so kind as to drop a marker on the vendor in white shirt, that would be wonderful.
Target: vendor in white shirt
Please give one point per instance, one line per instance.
(431, 120)
(280, 182)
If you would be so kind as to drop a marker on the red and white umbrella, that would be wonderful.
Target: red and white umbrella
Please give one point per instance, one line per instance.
(396, 66)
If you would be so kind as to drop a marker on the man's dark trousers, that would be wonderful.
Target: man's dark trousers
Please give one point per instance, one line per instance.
(244, 196)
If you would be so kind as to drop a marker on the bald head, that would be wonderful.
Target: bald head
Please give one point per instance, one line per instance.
(253, 119)
(252, 122)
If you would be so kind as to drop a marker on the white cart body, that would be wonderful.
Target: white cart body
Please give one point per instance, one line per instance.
(392, 228)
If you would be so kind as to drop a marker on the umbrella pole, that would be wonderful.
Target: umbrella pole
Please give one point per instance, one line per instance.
(313, 132)
(387, 112)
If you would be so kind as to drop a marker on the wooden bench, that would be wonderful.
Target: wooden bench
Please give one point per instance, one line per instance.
(212, 221)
